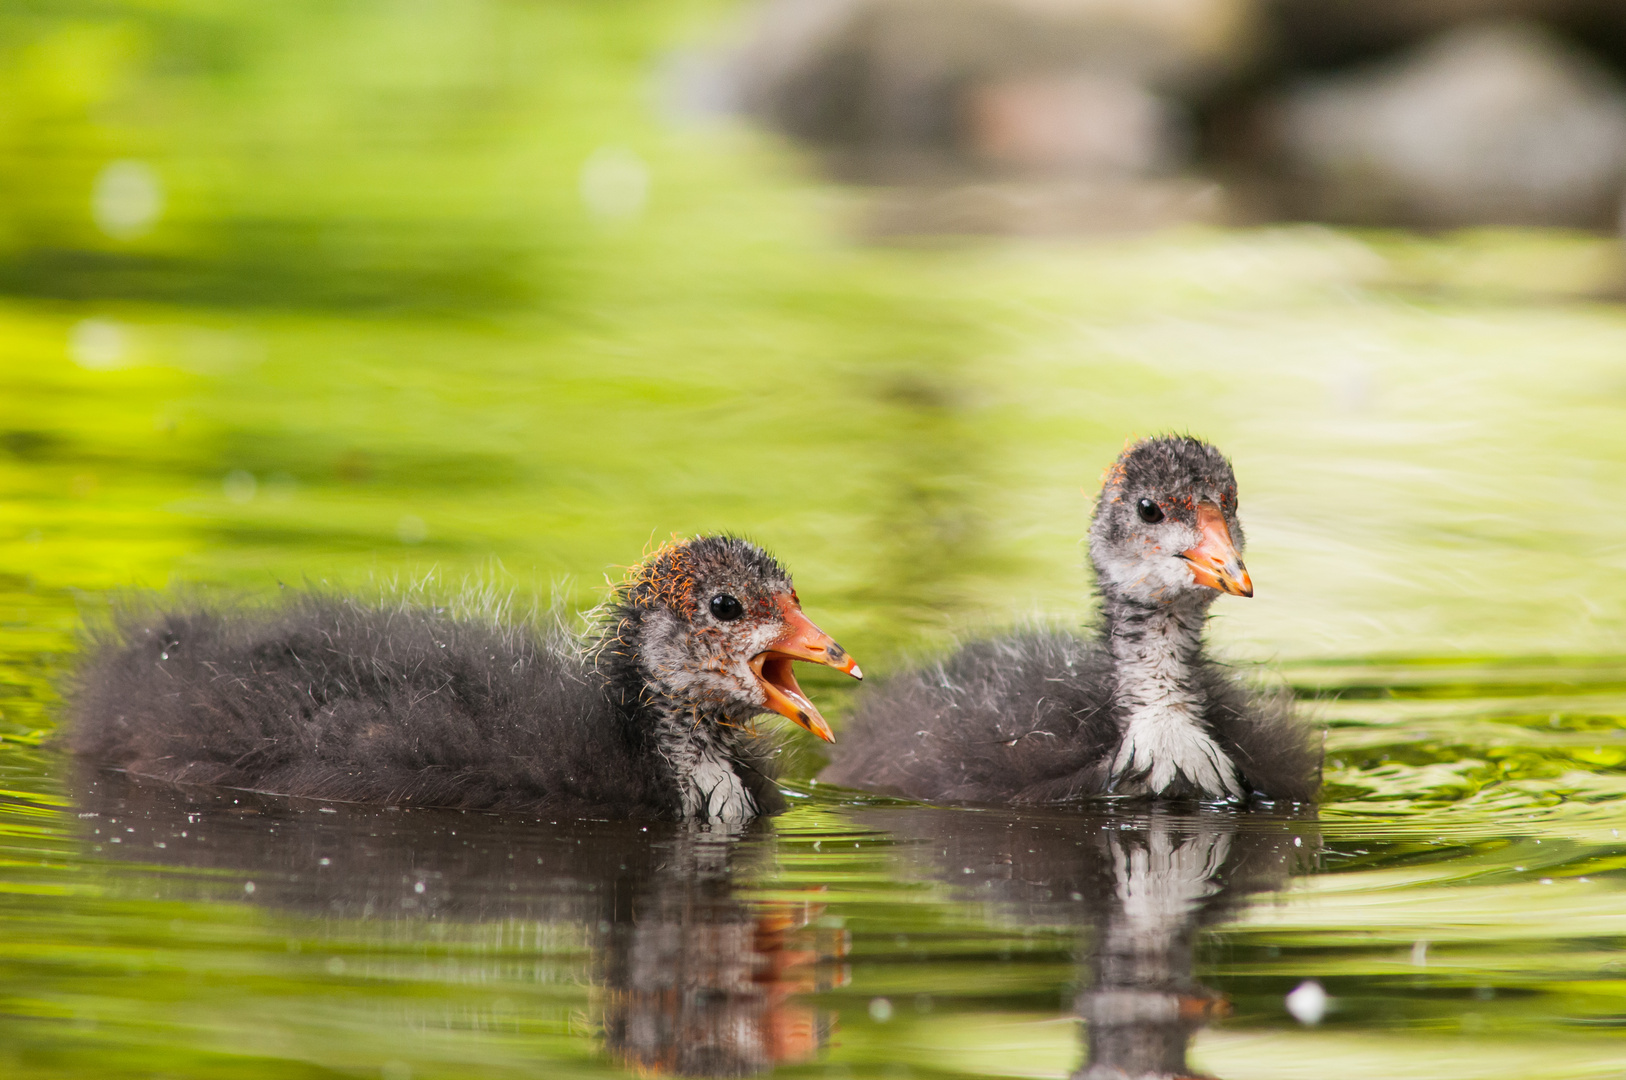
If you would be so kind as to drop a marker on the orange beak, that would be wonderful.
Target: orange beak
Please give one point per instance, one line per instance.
(1214, 561)
(800, 641)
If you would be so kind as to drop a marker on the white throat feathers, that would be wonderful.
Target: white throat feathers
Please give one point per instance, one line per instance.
(1166, 748)
(702, 765)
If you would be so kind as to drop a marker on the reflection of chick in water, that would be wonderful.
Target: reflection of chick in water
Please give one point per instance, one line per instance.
(692, 980)
(1143, 885)
(1144, 1003)
(702, 985)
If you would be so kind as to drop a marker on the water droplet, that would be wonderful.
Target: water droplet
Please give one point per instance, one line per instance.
(1307, 1003)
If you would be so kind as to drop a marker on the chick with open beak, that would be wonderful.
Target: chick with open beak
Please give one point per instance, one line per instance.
(801, 640)
(712, 627)
(715, 625)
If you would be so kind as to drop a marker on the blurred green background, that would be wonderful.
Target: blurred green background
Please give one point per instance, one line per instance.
(330, 290)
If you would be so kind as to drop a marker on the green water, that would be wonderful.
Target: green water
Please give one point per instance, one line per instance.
(376, 336)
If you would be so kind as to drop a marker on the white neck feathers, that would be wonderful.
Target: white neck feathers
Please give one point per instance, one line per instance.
(708, 784)
(1166, 748)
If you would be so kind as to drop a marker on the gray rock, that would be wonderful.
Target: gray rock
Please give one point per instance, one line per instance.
(1313, 34)
(1059, 86)
(1486, 124)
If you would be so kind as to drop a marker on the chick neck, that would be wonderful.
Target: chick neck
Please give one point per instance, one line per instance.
(1165, 746)
(699, 742)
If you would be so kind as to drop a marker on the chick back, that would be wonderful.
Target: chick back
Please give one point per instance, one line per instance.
(333, 698)
(1020, 718)
(1030, 718)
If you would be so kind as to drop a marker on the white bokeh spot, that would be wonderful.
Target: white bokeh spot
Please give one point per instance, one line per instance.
(240, 486)
(127, 199)
(614, 185)
(98, 344)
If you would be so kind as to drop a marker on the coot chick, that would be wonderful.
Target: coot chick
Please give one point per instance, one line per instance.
(331, 698)
(1139, 711)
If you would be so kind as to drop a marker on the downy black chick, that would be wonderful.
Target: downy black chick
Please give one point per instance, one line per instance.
(329, 697)
(1139, 710)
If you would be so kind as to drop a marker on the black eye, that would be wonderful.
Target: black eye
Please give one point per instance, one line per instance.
(726, 608)
(1149, 511)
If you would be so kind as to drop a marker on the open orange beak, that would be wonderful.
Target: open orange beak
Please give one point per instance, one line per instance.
(800, 641)
(1214, 561)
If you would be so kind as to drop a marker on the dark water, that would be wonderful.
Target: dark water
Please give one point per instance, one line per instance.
(377, 329)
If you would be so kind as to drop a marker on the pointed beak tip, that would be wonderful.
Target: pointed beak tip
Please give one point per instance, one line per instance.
(817, 725)
(804, 642)
(1214, 561)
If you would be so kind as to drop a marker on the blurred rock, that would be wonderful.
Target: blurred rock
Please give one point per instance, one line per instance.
(909, 89)
(1487, 124)
(1085, 122)
(1310, 34)
(1032, 116)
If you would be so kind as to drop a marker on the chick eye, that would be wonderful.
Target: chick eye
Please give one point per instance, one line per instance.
(1149, 512)
(726, 608)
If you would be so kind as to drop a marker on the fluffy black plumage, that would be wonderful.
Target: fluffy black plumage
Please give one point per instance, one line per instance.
(406, 704)
(1139, 710)
(1029, 718)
